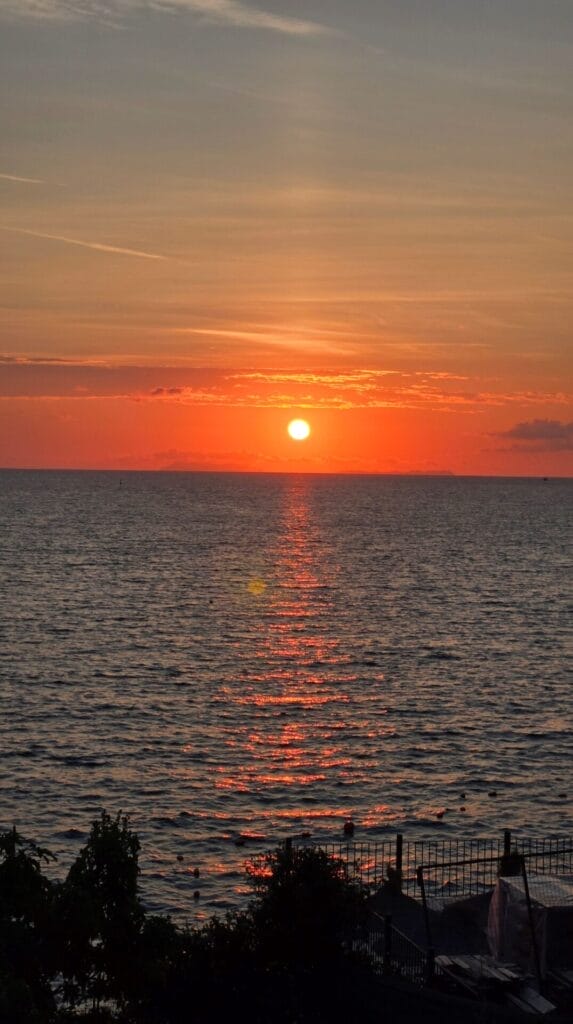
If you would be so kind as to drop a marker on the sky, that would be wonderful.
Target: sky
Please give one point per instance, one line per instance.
(219, 215)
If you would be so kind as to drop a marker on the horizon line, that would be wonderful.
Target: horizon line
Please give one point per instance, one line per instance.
(443, 474)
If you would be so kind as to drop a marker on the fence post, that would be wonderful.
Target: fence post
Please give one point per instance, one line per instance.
(510, 863)
(399, 855)
(430, 964)
(387, 956)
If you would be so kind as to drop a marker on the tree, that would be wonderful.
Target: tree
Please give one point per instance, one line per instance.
(26, 900)
(306, 908)
(100, 915)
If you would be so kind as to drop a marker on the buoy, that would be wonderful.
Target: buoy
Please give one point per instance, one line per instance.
(196, 872)
(348, 828)
(196, 894)
(492, 792)
(179, 856)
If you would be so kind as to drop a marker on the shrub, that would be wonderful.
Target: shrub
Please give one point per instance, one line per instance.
(306, 908)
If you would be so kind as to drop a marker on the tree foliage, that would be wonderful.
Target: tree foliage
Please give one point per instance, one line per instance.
(25, 916)
(306, 906)
(84, 948)
(100, 915)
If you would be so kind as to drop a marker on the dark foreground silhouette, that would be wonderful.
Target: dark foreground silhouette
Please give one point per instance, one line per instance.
(84, 949)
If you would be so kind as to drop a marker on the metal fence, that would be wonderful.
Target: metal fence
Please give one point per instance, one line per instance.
(452, 867)
(470, 867)
(546, 856)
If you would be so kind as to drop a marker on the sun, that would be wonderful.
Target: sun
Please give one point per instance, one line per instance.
(299, 430)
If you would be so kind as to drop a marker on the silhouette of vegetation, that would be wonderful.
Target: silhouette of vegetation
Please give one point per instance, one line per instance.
(307, 906)
(84, 949)
(25, 917)
(100, 916)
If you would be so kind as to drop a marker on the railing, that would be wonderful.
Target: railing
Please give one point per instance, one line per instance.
(452, 867)
(393, 953)
(546, 856)
(471, 867)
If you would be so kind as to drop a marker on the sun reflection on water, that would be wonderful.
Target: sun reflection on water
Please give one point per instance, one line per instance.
(303, 677)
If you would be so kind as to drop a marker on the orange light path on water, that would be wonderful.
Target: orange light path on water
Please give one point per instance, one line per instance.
(289, 744)
(305, 671)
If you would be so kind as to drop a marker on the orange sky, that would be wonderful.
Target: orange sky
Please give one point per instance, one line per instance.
(362, 421)
(227, 215)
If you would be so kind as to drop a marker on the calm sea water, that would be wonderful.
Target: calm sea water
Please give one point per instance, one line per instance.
(243, 658)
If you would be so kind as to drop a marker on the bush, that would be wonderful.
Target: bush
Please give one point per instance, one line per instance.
(306, 908)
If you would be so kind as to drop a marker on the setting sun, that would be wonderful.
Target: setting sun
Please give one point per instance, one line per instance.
(298, 430)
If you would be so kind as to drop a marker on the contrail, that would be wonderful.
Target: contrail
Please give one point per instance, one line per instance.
(86, 245)
(17, 177)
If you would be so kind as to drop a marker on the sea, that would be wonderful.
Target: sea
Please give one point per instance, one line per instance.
(235, 659)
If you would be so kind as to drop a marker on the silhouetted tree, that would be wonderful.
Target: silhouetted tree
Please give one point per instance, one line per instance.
(84, 949)
(307, 908)
(100, 915)
(26, 899)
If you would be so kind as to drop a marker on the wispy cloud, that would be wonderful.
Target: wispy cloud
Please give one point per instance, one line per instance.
(223, 12)
(19, 178)
(322, 342)
(98, 246)
(232, 12)
(57, 361)
(350, 389)
(368, 388)
(358, 381)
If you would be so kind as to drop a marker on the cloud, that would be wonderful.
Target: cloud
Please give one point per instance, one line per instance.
(222, 12)
(231, 12)
(277, 337)
(357, 380)
(542, 435)
(37, 377)
(17, 177)
(98, 246)
(19, 360)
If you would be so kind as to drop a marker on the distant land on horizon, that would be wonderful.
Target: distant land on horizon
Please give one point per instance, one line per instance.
(310, 473)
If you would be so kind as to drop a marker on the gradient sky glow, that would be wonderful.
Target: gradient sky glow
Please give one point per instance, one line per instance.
(217, 216)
